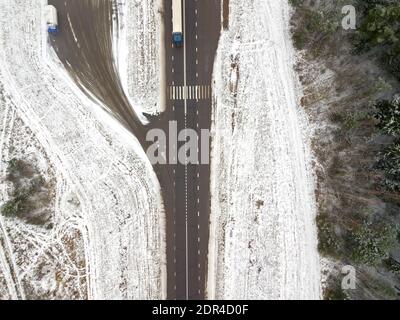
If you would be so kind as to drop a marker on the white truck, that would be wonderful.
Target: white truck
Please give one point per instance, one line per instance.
(50, 14)
(177, 32)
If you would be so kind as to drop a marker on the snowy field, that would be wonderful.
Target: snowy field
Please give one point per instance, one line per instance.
(263, 235)
(107, 239)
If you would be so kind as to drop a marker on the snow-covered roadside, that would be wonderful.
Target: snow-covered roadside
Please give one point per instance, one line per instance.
(141, 53)
(122, 217)
(263, 242)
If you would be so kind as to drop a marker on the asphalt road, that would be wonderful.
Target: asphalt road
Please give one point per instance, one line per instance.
(188, 227)
(84, 46)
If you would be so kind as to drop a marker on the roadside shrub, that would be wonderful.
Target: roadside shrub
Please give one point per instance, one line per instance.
(9, 209)
(392, 265)
(372, 243)
(365, 5)
(24, 187)
(328, 242)
(379, 27)
(14, 167)
(313, 30)
(390, 164)
(379, 31)
(388, 115)
(335, 293)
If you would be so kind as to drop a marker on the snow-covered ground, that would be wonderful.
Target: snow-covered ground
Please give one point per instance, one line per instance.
(141, 53)
(105, 189)
(45, 259)
(263, 234)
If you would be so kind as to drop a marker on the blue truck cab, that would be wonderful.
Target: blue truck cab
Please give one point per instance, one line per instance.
(177, 39)
(52, 29)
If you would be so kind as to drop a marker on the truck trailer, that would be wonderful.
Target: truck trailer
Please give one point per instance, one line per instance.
(177, 32)
(50, 13)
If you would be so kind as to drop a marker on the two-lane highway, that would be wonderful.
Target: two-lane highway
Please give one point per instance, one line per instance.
(189, 73)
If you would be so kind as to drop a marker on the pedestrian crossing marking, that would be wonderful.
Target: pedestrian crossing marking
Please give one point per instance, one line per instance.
(189, 92)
